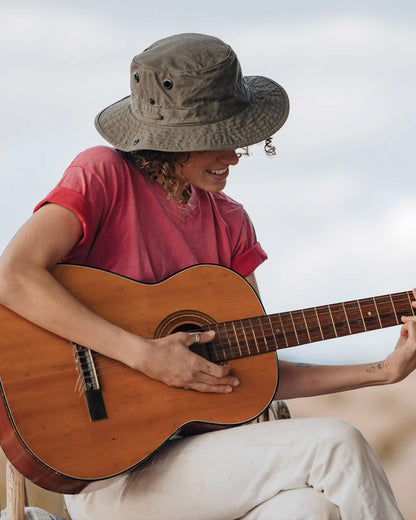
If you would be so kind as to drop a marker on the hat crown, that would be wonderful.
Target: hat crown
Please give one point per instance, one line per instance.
(187, 79)
(182, 52)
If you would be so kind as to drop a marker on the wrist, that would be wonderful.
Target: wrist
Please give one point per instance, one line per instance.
(132, 350)
(378, 373)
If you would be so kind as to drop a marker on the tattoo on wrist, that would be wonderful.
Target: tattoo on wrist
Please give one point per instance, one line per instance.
(374, 367)
(303, 365)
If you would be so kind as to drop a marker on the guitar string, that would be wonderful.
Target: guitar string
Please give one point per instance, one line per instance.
(231, 349)
(386, 311)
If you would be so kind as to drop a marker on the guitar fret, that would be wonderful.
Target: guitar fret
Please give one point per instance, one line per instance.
(346, 318)
(354, 316)
(410, 303)
(378, 314)
(386, 311)
(327, 325)
(394, 310)
(249, 335)
(332, 319)
(278, 331)
(263, 335)
(254, 336)
(228, 336)
(340, 319)
(369, 314)
(236, 337)
(313, 325)
(245, 336)
(288, 329)
(402, 303)
(283, 331)
(272, 329)
(319, 323)
(301, 328)
(233, 341)
(361, 314)
(306, 326)
(294, 327)
(222, 343)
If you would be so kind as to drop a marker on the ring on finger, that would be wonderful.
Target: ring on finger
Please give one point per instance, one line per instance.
(197, 336)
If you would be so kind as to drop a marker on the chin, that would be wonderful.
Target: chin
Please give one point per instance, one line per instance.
(218, 187)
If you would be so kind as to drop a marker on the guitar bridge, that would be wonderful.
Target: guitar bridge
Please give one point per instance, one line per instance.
(90, 382)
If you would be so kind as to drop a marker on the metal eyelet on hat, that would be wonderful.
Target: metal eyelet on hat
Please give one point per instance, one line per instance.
(167, 84)
(152, 101)
(136, 140)
(136, 77)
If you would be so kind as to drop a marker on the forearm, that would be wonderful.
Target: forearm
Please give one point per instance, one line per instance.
(307, 380)
(36, 295)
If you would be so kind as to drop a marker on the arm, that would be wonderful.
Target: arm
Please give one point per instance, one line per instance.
(307, 380)
(28, 288)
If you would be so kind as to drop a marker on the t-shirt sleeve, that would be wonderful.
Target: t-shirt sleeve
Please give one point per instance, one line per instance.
(248, 253)
(80, 190)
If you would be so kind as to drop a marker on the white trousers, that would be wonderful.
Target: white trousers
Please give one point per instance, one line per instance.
(280, 470)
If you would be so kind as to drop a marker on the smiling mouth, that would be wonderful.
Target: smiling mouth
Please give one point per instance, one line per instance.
(218, 172)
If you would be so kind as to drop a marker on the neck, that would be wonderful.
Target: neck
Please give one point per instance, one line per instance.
(179, 192)
(261, 334)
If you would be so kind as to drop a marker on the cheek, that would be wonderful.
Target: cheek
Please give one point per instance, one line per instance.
(194, 169)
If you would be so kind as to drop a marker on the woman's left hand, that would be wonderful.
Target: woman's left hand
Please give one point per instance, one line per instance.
(402, 361)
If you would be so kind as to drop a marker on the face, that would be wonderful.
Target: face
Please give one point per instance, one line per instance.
(209, 170)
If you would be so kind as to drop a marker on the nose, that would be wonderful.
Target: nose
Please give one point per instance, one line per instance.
(230, 157)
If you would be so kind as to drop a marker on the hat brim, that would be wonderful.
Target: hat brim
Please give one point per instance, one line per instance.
(261, 118)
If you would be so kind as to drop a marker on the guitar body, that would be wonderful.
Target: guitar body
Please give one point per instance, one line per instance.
(45, 426)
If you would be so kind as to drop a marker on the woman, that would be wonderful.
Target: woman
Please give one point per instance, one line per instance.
(148, 207)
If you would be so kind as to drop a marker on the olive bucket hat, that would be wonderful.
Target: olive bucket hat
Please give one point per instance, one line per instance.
(188, 94)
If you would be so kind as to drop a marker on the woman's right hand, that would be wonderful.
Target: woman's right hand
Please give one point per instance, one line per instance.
(170, 361)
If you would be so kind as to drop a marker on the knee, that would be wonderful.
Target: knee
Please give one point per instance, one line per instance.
(343, 440)
(343, 433)
(337, 429)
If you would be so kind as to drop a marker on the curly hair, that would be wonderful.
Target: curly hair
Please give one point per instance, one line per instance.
(161, 167)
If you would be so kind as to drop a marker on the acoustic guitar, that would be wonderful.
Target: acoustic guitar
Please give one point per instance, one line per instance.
(69, 416)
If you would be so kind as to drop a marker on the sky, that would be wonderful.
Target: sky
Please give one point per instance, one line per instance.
(335, 209)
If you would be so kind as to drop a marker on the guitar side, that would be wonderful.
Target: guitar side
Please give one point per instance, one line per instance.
(45, 428)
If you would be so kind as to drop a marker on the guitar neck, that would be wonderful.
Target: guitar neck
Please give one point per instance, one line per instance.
(267, 333)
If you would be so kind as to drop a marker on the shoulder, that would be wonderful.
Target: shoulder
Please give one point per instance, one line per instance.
(229, 209)
(98, 157)
(100, 164)
(226, 203)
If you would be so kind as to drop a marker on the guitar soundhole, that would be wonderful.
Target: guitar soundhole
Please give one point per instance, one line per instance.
(202, 349)
(187, 327)
(187, 321)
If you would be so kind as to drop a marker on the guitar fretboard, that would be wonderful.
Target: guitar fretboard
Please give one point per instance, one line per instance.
(267, 333)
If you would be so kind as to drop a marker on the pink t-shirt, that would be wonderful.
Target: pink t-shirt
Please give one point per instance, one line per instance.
(130, 228)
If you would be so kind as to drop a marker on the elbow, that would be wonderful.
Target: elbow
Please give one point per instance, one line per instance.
(10, 283)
